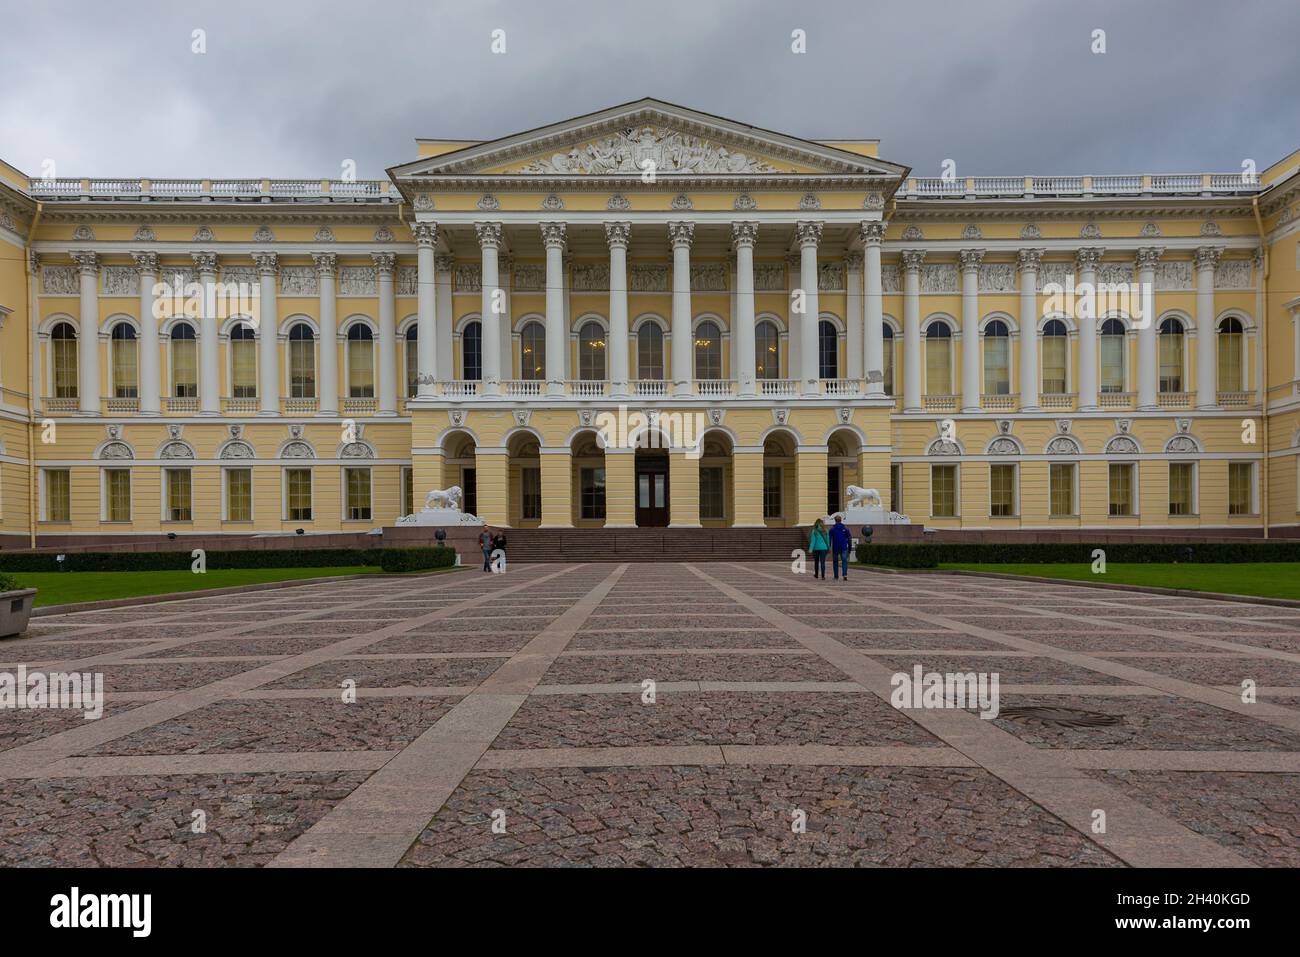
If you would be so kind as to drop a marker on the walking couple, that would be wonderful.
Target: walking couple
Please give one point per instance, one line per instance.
(490, 543)
(835, 540)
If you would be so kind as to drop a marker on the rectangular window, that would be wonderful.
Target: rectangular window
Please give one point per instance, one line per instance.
(412, 367)
(408, 490)
(1241, 488)
(943, 491)
(997, 365)
(896, 488)
(1182, 477)
(530, 486)
(1171, 363)
(1060, 479)
(297, 494)
(1121, 489)
(361, 368)
(117, 495)
(125, 373)
(356, 484)
(239, 495)
(1002, 490)
(243, 368)
(1055, 359)
(64, 359)
(772, 507)
(185, 368)
(58, 495)
(302, 368)
(938, 366)
(1230, 364)
(888, 356)
(593, 493)
(178, 495)
(713, 503)
(1112, 363)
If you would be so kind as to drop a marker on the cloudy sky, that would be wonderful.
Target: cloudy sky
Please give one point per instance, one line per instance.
(291, 88)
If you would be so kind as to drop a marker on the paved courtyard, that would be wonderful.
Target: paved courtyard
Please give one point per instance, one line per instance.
(670, 714)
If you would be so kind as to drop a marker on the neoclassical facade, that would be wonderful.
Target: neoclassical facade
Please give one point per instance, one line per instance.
(1009, 352)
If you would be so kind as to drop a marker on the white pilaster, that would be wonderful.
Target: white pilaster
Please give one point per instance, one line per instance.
(794, 357)
(1086, 262)
(1148, 361)
(743, 236)
(88, 344)
(268, 335)
(209, 333)
(557, 320)
(873, 308)
(384, 266)
(1029, 261)
(1207, 367)
(912, 259)
(618, 235)
(491, 308)
(681, 234)
(146, 265)
(442, 357)
(326, 268)
(970, 329)
(426, 344)
(853, 346)
(809, 235)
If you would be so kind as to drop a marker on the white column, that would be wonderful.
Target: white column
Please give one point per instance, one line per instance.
(743, 236)
(88, 345)
(809, 235)
(970, 329)
(442, 357)
(1207, 367)
(209, 332)
(505, 263)
(794, 357)
(683, 354)
(326, 267)
(1028, 262)
(853, 347)
(618, 235)
(1086, 262)
(873, 307)
(268, 335)
(427, 373)
(146, 265)
(1148, 361)
(489, 241)
(557, 320)
(912, 259)
(384, 265)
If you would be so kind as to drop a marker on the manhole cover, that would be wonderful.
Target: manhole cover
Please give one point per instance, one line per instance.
(1060, 717)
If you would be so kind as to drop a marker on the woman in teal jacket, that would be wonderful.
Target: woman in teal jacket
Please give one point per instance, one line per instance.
(819, 543)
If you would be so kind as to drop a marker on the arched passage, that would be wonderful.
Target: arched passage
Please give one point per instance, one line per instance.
(587, 462)
(780, 480)
(459, 467)
(717, 480)
(843, 467)
(524, 452)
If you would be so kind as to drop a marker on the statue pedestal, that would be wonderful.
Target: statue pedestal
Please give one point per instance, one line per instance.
(860, 515)
(439, 518)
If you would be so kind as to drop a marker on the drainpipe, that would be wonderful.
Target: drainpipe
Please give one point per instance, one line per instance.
(1263, 361)
(31, 396)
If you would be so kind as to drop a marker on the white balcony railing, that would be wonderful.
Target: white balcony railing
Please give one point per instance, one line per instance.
(359, 405)
(180, 404)
(1174, 400)
(60, 404)
(649, 388)
(300, 405)
(1056, 400)
(1236, 400)
(240, 405)
(998, 402)
(460, 388)
(588, 388)
(777, 387)
(118, 404)
(522, 388)
(1115, 400)
(843, 387)
(940, 403)
(714, 388)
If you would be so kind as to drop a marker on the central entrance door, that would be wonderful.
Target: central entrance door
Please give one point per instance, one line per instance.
(652, 491)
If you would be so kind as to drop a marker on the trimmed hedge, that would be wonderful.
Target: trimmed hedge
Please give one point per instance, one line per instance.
(389, 559)
(1074, 553)
(7, 583)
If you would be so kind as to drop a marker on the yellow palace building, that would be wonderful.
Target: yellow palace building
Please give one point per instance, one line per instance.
(256, 356)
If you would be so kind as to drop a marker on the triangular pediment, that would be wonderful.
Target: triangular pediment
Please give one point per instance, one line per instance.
(648, 134)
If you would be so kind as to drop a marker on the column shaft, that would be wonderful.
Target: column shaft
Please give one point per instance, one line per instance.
(810, 234)
(912, 259)
(491, 308)
(88, 345)
(1086, 264)
(855, 351)
(441, 359)
(1029, 260)
(1207, 368)
(1148, 361)
(426, 345)
(618, 235)
(384, 265)
(873, 308)
(326, 265)
(150, 383)
(970, 329)
(209, 333)
(683, 353)
(744, 236)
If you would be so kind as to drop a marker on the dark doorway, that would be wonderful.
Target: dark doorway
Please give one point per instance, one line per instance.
(469, 491)
(832, 489)
(652, 491)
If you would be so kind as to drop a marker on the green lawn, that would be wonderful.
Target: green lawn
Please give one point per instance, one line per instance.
(1266, 579)
(62, 588)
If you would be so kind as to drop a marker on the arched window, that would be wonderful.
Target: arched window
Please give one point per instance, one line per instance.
(361, 361)
(243, 362)
(887, 359)
(532, 352)
(767, 350)
(412, 359)
(1232, 338)
(997, 358)
(828, 350)
(708, 351)
(591, 352)
(938, 359)
(126, 382)
(471, 351)
(185, 361)
(63, 355)
(1055, 357)
(302, 362)
(650, 352)
(1171, 356)
(1112, 353)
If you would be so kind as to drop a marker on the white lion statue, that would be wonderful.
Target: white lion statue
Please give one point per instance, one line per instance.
(859, 496)
(444, 498)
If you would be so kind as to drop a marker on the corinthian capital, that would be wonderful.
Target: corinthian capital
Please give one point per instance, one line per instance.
(910, 259)
(808, 232)
(326, 263)
(489, 235)
(873, 234)
(553, 235)
(618, 234)
(1207, 257)
(744, 233)
(971, 259)
(205, 262)
(146, 264)
(1148, 256)
(384, 262)
(267, 263)
(1088, 258)
(681, 234)
(426, 234)
(853, 261)
(1030, 259)
(86, 261)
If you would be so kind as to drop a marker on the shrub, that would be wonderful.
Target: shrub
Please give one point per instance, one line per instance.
(7, 583)
(1076, 553)
(390, 559)
(899, 556)
(396, 560)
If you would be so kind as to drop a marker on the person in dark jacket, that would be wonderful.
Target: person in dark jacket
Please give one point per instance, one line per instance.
(819, 544)
(485, 543)
(499, 543)
(841, 545)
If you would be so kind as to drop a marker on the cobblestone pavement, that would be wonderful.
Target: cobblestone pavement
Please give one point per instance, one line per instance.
(659, 715)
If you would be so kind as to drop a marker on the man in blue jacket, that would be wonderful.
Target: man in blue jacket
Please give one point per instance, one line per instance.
(841, 544)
